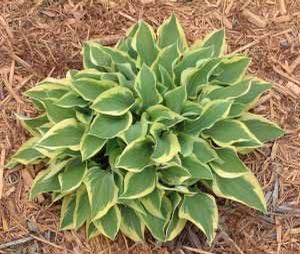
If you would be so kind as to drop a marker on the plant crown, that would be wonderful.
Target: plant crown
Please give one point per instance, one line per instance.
(137, 138)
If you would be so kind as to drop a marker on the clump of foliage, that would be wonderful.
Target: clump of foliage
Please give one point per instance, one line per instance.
(138, 137)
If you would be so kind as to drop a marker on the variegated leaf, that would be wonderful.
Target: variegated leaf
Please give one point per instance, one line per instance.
(263, 129)
(131, 224)
(67, 212)
(72, 176)
(109, 224)
(216, 39)
(166, 147)
(137, 185)
(176, 224)
(146, 87)
(89, 89)
(244, 189)
(65, 134)
(114, 102)
(90, 145)
(136, 156)
(201, 209)
(144, 44)
(213, 111)
(82, 207)
(101, 190)
(228, 164)
(171, 32)
(228, 132)
(105, 126)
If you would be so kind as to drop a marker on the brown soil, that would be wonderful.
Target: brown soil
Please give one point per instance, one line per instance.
(43, 38)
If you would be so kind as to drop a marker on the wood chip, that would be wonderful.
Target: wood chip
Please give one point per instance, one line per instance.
(229, 6)
(216, 5)
(27, 177)
(10, 191)
(293, 88)
(5, 226)
(2, 159)
(147, 1)
(282, 7)
(278, 234)
(294, 231)
(294, 65)
(255, 19)
(108, 3)
(246, 4)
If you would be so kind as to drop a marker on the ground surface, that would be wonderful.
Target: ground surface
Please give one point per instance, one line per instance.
(43, 38)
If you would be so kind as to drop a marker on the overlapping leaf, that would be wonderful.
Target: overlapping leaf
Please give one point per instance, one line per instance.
(129, 141)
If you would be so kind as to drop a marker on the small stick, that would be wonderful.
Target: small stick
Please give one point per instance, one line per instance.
(21, 61)
(196, 250)
(12, 73)
(255, 19)
(296, 13)
(278, 234)
(281, 73)
(282, 90)
(275, 191)
(282, 19)
(12, 92)
(6, 27)
(228, 238)
(127, 16)
(16, 242)
(249, 45)
(23, 83)
(282, 32)
(125, 241)
(2, 159)
(47, 242)
(287, 210)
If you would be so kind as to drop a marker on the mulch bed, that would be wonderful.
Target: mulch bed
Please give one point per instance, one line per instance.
(44, 38)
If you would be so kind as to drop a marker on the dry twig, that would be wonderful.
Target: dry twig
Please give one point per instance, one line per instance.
(16, 242)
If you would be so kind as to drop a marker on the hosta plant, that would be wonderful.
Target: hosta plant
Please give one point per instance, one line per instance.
(147, 135)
